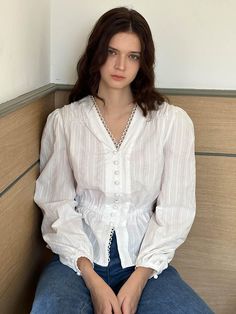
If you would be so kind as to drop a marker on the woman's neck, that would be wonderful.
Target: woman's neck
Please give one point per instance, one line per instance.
(116, 101)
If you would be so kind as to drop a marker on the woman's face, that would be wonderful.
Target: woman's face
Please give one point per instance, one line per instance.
(123, 61)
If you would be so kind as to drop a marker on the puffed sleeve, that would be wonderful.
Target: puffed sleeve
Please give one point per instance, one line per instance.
(176, 202)
(62, 227)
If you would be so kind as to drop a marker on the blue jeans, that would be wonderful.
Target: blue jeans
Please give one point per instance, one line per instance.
(61, 291)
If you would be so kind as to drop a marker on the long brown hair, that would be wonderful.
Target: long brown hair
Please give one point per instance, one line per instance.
(114, 21)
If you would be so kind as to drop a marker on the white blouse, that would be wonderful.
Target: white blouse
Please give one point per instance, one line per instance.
(145, 191)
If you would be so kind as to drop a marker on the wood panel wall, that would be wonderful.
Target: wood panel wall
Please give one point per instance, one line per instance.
(207, 260)
(21, 243)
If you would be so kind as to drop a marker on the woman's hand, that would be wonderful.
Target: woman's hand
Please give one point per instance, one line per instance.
(103, 298)
(131, 291)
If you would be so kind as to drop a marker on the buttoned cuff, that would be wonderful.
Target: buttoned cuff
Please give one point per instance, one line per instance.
(72, 261)
(154, 273)
(156, 270)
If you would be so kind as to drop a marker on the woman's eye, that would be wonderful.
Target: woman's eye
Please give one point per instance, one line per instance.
(134, 57)
(111, 52)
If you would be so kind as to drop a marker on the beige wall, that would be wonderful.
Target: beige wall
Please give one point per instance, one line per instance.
(24, 46)
(195, 40)
(40, 42)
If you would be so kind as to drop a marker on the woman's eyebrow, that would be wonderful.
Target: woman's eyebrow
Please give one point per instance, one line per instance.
(137, 52)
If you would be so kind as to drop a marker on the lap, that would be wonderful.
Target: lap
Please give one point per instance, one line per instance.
(169, 294)
(61, 290)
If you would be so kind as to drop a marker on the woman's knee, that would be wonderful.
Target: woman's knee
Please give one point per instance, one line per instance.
(61, 290)
(169, 294)
(59, 305)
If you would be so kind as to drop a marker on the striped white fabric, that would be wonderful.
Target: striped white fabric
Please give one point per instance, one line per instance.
(145, 191)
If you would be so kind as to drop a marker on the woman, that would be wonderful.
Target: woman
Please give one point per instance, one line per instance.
(117, 183)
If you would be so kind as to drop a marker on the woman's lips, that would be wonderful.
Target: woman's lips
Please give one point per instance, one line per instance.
(117, 77)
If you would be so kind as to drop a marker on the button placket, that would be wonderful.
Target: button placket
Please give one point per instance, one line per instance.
(116, 180)
(116, 198)
(116, 172)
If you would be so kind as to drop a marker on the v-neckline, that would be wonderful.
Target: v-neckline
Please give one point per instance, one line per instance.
(108, 131)
(95, 125)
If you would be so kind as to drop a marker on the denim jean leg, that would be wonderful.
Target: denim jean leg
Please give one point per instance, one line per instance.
(169, 294)
(61, 291)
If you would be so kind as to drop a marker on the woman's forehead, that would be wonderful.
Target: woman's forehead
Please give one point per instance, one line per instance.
(128, 41)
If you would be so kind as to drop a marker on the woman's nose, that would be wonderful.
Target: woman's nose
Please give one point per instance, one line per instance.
(120, 63)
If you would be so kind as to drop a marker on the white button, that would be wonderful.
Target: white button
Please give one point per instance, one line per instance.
(117, 182)
(114, 152)
(115, 162)
(117, 172)
(116, 201)
(115, 206)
